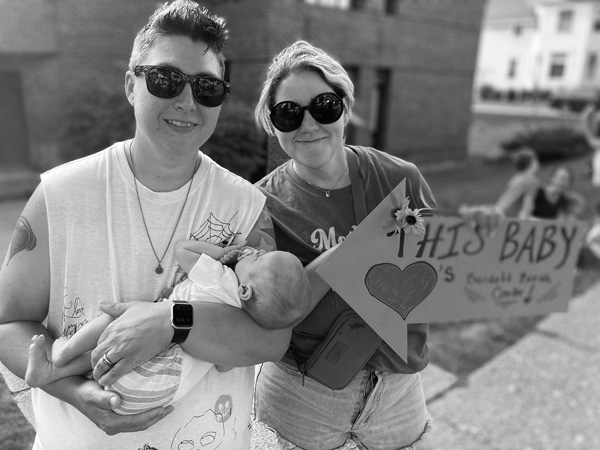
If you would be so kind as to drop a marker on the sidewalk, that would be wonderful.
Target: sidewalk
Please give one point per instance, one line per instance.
(540, 394)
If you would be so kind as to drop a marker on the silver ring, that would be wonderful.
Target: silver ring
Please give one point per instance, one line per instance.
(107, 361)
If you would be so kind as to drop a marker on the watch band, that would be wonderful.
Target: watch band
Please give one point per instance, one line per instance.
(180, 335)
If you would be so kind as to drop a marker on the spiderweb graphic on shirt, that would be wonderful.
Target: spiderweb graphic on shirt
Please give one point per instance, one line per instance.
(215, 231)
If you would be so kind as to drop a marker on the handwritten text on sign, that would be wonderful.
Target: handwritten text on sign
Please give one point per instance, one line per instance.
(452, 272)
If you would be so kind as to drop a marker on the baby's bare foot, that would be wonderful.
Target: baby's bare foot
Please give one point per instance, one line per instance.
(39, 368)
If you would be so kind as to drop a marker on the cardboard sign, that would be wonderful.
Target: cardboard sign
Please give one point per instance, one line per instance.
(394, 276)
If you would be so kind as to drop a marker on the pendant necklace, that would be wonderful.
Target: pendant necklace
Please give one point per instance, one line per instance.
(327, 192)
(159, 268)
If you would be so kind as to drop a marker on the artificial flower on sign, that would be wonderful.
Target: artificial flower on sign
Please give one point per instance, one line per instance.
(405, 219)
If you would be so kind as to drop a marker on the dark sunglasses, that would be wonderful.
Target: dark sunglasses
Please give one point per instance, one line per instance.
(325, 108)
(164, 82)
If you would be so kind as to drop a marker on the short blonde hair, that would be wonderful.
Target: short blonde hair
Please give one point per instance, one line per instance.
(302, 57)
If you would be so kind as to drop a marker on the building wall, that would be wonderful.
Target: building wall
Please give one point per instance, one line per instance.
(28, 47)
(36, 17)
(429, 49)
(437, 45)
(62, 45)
(508, 45)
(539, 40)
(95, 40)
(575, 44)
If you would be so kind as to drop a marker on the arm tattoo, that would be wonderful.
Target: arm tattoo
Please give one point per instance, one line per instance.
(23, 238)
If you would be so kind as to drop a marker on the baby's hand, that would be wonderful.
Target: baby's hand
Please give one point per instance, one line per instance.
(486, 219)
(232, 252)
(230, 248)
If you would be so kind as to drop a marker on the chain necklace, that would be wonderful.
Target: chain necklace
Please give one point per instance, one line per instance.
(327, 192)
(159, 268)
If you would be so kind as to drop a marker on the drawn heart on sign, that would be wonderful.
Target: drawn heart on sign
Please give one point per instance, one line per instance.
(401, 290)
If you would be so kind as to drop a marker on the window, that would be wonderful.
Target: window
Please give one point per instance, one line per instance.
(512, 68)
(558, 63)
(565, 21)
(591, 66)
(339, 4)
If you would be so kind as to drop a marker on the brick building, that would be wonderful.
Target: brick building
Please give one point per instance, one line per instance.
(412, 62)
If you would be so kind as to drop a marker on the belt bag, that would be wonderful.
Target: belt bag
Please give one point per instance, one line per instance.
(346, 349)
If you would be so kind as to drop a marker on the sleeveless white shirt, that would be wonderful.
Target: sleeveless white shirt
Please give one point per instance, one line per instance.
(99, 250)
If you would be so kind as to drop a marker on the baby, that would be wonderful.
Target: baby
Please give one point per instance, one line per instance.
(272, 287)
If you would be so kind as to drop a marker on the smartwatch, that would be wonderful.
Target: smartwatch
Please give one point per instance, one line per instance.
(182, 320)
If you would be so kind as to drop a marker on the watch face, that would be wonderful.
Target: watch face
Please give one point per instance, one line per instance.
(183, 315)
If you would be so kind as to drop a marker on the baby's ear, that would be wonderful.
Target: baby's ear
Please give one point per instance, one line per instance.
(245, 292)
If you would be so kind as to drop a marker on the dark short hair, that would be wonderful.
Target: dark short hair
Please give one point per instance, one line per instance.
(181, 18)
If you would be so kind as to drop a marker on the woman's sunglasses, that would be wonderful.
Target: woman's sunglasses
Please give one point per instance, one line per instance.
(325, 108)
(163, 82)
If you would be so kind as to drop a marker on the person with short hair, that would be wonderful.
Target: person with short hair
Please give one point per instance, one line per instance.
(97, 234)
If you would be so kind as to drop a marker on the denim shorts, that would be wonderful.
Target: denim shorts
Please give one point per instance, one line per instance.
(376, 411)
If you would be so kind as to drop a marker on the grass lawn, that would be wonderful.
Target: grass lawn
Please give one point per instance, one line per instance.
(15, 432)
(459, 347)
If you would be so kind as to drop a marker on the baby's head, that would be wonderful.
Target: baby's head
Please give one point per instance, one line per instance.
(273, 287)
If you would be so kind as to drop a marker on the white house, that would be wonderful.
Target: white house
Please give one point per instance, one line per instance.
(539, 45)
